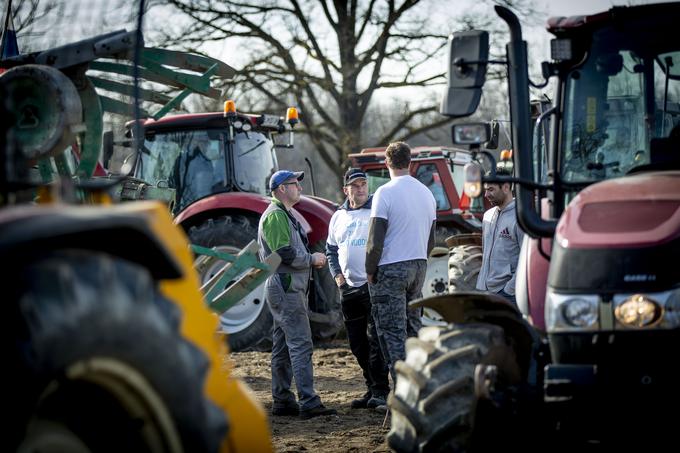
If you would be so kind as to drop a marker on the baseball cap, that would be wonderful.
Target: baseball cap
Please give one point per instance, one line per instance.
(282, 175)
(353, 174)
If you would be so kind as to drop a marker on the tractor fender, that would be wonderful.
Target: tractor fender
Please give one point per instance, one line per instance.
(468, 307)
(328, 203)
(216, 204)
(313, 215)
(120, 230)
(317, 213)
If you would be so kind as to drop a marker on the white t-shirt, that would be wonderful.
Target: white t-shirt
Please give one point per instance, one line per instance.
(409, 208)
(348, 230)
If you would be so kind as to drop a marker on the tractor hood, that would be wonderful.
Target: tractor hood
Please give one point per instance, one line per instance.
(620, 236)
(634, 211)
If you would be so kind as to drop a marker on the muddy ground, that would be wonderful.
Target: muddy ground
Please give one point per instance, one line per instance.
(338, 380)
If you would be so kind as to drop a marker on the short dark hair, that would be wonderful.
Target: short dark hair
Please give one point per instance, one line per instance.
(398, 155)
(500, 171)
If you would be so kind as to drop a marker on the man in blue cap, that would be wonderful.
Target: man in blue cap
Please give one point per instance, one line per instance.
(286, 294)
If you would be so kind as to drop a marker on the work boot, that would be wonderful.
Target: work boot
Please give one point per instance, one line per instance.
(293, 411)
(376, 401)
(361, 402)
(317, 411)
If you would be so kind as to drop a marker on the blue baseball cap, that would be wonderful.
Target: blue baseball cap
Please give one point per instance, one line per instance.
(281, 176)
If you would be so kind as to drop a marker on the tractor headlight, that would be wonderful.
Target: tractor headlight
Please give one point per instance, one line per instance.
(655, 310)
(571, 312)
(638, 311)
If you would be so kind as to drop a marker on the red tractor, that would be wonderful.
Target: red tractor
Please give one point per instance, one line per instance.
(215, 169)
(589, 355)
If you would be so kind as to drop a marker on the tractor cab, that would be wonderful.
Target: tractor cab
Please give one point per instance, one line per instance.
(620, 94)
(616, 104)
(200, 155)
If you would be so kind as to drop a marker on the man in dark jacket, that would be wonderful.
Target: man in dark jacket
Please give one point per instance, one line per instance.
(346, 253)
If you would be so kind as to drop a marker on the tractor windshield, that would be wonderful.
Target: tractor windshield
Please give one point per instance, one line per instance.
(193, 163)
(618, 104)
(254, 162)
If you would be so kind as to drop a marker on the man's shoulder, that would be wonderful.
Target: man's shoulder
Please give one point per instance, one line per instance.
(337, 215)
(275, 215)
(489, 213)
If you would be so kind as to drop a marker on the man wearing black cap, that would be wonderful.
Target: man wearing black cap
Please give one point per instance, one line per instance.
(346, 253)
(286, 294)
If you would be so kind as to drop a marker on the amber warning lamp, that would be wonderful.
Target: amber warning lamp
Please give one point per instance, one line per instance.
(229, 108)
(292, 116)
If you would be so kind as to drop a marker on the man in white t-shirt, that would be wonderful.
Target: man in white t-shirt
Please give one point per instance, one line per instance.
(346, 254)
(400, 238)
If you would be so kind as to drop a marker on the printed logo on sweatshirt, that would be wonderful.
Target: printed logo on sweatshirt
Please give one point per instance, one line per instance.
(505, 233)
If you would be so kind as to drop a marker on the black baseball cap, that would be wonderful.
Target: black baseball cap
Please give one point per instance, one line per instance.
(352, 174)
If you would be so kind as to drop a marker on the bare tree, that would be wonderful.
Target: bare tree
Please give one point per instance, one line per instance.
(331, 58)
(26, 13)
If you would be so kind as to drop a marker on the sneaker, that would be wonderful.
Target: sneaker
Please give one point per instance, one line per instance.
(375, 401)
(361, 402)
(316, 412)
(286, 411)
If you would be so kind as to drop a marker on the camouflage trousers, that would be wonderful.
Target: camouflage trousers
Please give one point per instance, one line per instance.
(397, 284)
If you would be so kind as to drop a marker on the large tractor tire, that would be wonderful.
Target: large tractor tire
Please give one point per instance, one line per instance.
(248, 323)
(98, 362)
(442, 233)
(434, 407)
(465, 261)
(325, 313)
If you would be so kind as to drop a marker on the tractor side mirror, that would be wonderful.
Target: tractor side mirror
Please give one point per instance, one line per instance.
(466, 72)
(473, 134)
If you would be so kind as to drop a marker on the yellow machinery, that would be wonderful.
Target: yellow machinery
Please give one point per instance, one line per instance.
(111, 347)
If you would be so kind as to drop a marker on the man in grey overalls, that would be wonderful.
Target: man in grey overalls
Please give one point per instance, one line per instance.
(286, 294)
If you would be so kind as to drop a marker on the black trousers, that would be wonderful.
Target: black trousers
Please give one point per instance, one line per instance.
(363, 339)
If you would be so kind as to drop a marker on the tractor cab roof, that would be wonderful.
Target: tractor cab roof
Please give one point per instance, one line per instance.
(377, 154)
(651, 17)
(210, 120)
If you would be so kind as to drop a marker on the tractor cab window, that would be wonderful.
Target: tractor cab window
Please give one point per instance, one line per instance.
(617, 105)
(428, 175)
(254, 161)
(191, 162)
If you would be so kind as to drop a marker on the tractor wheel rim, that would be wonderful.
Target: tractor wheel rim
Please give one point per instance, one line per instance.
(243, 314)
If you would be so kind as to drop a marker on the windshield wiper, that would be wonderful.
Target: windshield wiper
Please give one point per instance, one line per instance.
(260, 143)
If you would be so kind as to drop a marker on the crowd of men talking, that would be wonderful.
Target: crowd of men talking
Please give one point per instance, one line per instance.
(377, 250)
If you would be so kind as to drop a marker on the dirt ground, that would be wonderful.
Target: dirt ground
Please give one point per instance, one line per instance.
(338, 380)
